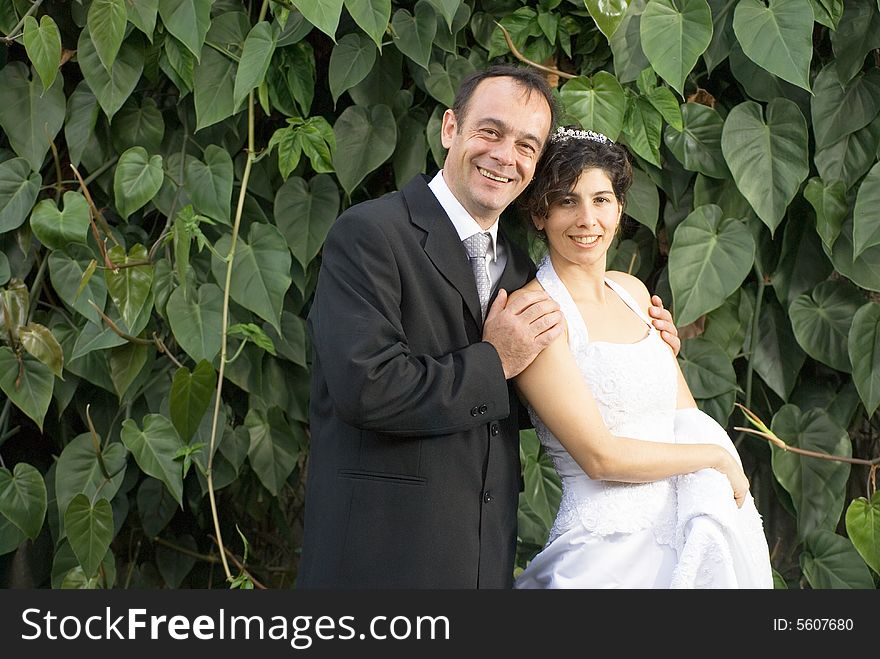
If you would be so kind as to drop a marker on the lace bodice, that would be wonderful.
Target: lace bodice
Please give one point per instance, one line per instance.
(635, 387)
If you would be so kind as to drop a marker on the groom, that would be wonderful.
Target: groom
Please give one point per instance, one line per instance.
(414, 473)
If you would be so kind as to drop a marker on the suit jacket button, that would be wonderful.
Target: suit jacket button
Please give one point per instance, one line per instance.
(487, 496)
(494, 429)
(474, 411)
(483, 409)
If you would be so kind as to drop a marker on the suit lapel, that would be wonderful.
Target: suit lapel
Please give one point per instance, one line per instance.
(442, 244)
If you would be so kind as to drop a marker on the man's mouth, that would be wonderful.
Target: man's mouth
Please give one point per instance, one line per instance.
(491, 176)
(585, 240)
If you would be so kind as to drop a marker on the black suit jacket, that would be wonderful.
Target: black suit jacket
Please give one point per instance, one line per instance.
(414, 472)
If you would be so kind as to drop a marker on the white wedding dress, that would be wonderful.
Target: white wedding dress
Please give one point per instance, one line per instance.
(680, 532)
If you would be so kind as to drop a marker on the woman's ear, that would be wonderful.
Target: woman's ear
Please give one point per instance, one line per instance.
(538, 222)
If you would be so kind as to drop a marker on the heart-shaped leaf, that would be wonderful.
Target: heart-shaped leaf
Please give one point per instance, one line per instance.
(829, 202)
(58, 229)
(23, 498)
(304, 213)
(542, 488)
(27, 383)
(190, 395)
(79, 471)
(214, 88)
(863, 345)
(38, 341)
(155, 506)
(817, 487)
(155, 448)
(209, 183)
(598, 103)
(350, 62)
(856, 34)
(111, 89)
(709, 258)
(18, 192)
(188, 21)
(371, 16)
(142, 14)
(608, 14)
(197, 323)
(79, 125)
(698, 145)
(768, 160)
(138, 124)
(89, 531)
(674, 35)
(126, 362)
(776, 356)
(866, 215)
(255, 58)
(706, 368)
(30, 115)
(837, 109)
(414, 34)
(863, 528)
(107, 20)
(850, 158)
(822, 322)
(137, 180)
(323, 14)
(642, 127)
(272, 454)
(129, 286)
(42, 41)
(830, 561)
(365, 138)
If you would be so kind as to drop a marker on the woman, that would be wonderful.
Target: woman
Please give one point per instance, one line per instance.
(654, 495)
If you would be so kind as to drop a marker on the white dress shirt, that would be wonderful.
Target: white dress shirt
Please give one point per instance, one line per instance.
(466, 226)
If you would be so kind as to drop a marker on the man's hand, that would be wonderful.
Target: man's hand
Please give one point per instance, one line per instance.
(662, 320)
(520, 326)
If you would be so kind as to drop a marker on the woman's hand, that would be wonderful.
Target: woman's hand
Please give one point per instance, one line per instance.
(738, 480)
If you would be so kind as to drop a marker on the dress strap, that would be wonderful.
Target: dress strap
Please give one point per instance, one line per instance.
(629, 301)
(577, 329)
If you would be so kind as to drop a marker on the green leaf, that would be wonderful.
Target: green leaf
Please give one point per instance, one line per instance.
(829, 202)
(137, 180)
(822, 322)
(5, 273)
(292, 79)
(777, 357)
(850, 158)
(254, 334)
(129, 287)
(643, 200)
(190, 395)
(255, 58)
(411, 151)
(414, 34)
(863, 346)
(642, 127)
(66, 272)
(126, 362)
(291, 342)
(863, 528)
(18, 192)
(839, 110)
(698, 145)
(43, 45)
(107, 20)
(608, 14)
(828, 12)
(10, 536)
(372, 17)
(138, 125)
(79, 124)
(709, 259)
(778, 38)
(365, 138)
(94, 337)
(39, 342)
(304, 213)
(57, 229)
(727, 325)
(350, 62)
(197, 324)
(323, 14)
(855, 36)
(674, 35)
(830, 561)
(67, 572)
(706, 368)
(154, 449)
(29, 115)
(768, 160)
(174, 565)
(155, 506)
(27, 383)
(598, 103)
(626, 44)
(142, 14)
(209, 183)
(213, 88)
(542, 488)
(188, 20)
(260, 272)
(89, 531)
(866, 215)
(802, 263)
(78, 470)
(722, 33)
(272, 454)
(178, 64)
(664, 102)
(817, 487)
(23, 498)
(111, 89)
(446, 9)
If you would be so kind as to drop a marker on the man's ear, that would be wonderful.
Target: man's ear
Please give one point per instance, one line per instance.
(448, 128)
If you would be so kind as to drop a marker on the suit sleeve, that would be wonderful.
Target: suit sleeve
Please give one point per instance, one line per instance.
(374, 380)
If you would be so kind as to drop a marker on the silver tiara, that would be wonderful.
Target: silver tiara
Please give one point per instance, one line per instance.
(565, 134)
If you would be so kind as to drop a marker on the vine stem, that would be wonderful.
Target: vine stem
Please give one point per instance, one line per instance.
(13, 34)
(230, 260)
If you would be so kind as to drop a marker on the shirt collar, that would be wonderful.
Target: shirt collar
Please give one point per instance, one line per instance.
(464, 224)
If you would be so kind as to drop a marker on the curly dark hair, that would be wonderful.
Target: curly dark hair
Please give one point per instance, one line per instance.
(560, 168)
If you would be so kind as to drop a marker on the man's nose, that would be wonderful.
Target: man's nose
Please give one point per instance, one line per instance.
(504, 152)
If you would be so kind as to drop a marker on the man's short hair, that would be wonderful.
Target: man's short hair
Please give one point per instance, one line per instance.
(528, 78)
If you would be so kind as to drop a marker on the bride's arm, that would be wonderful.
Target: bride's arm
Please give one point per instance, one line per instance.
(556, 390)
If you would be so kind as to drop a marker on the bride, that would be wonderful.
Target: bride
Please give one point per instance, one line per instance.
(653, 491)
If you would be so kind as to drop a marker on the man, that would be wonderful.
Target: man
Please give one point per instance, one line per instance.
(414, 467)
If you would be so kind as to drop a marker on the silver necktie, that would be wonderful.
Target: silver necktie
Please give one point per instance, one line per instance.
(477, 247)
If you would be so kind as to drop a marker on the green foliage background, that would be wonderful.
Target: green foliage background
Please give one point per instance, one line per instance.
(169, 170)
